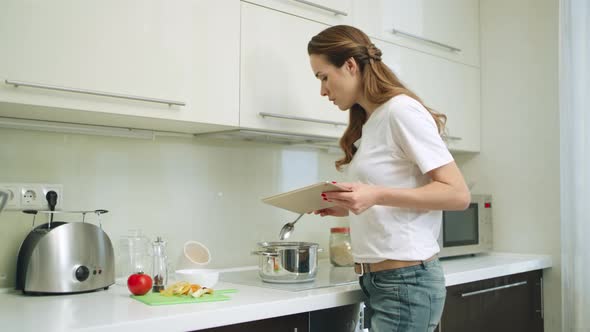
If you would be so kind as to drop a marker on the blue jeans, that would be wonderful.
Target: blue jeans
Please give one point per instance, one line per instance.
(408, 299)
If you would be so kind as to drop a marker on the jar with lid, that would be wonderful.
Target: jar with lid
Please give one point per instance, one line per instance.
(340, 247)
(160, 265)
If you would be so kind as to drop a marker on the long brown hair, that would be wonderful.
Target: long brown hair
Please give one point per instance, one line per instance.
(342, 42)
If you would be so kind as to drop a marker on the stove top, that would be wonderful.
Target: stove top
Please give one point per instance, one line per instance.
(327, 276)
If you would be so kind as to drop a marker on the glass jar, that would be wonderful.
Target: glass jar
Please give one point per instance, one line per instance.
(340, 247)
(133, 255)
(160, 265)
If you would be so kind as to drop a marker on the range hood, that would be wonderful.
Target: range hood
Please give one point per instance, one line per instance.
(263, 136)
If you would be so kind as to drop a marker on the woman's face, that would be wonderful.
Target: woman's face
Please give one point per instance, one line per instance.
(340, 85)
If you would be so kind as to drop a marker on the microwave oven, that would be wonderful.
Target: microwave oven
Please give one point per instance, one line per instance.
(469, 231)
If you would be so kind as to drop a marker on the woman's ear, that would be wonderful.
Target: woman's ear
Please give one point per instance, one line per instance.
(351, 65)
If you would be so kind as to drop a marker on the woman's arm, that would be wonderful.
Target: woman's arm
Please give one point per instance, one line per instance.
(447, 191)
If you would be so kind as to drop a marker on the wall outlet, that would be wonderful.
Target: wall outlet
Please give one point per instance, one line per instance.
(13, 191)
(58, 188)
(26, 196)
(31, 196)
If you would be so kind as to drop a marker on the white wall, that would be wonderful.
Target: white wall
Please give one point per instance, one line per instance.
(519, 159)
(182, 189)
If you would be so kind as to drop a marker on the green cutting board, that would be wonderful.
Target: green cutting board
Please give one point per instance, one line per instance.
(159, 299)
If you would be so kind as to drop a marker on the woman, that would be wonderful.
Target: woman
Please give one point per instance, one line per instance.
(402, 176)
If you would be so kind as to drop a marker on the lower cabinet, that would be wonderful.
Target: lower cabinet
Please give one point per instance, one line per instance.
(509, 303)
(338, 319)
(291, 323)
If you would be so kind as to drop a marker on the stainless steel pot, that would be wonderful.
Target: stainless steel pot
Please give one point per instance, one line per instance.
(287, 262)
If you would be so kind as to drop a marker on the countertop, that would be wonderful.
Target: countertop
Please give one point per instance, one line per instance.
(114, 310)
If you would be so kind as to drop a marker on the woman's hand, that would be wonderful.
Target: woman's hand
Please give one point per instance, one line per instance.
(335, 211)
(361, 197)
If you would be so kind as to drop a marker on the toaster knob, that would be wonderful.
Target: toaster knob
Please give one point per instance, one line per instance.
(82, 273)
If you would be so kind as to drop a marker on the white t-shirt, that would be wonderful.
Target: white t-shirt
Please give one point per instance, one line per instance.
(400, 143)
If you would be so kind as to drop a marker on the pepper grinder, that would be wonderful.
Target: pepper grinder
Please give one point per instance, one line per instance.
(160, 266)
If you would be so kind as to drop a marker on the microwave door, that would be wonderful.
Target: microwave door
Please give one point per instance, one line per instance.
(461, 228)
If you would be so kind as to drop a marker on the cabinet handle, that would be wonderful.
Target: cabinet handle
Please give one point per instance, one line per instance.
(452, 138)
(542, 310)
(487, 290)
(429, 41)
(335, 11)
(93, 92)
(297, 118)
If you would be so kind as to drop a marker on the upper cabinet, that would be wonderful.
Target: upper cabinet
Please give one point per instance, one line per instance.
(332, 12)
(279, 91)
(146, 64)
(446, 87)
(448, 29)
(207, 66)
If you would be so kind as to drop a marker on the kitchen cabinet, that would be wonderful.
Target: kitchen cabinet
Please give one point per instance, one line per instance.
(291, 323)
(509, 303)
(448, 29)
(445, 86)
(332, 12)
(180, 59)
(279, 91)
(337, 319)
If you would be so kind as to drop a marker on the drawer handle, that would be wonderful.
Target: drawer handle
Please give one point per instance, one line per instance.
(452, 138)
(429, 41)
(297, 118)
(93, 92)
(335, 11)
(542, 310)
(487, 290)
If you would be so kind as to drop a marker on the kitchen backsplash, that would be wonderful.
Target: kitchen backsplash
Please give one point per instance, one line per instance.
(178, 188)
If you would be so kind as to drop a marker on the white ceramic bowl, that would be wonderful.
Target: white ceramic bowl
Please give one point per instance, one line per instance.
(203, 277)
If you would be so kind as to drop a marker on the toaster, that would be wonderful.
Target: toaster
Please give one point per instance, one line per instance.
(65, 257)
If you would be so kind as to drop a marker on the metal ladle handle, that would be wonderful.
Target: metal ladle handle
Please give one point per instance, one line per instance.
(294, 221)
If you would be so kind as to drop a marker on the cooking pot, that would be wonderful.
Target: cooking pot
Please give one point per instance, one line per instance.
(287, 262)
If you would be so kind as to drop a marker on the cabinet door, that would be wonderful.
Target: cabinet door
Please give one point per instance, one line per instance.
(447, 87)
(276, 76)
(511, 303)
(155, 49)
(332, 12)
(426, 25)
(291, 323)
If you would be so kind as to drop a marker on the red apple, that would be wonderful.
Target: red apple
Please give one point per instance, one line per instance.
(139, 283)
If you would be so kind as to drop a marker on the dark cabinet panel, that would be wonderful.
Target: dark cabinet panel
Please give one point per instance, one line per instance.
(291, 323)
(509, 303)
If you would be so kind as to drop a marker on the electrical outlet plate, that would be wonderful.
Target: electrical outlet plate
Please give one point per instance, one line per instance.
(58, 188)
(13, 195)
(31, 195)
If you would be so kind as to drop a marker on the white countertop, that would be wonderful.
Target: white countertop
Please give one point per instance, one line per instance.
(114, 310)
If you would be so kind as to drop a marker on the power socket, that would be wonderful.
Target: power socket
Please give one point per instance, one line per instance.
(13, 191)
(31, 196)
(58, 188)
(26, 196)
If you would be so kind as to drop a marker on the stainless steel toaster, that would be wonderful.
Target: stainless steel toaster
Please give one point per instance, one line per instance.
(65, 257)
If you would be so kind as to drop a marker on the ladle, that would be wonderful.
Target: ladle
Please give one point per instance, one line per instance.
(288, 228)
